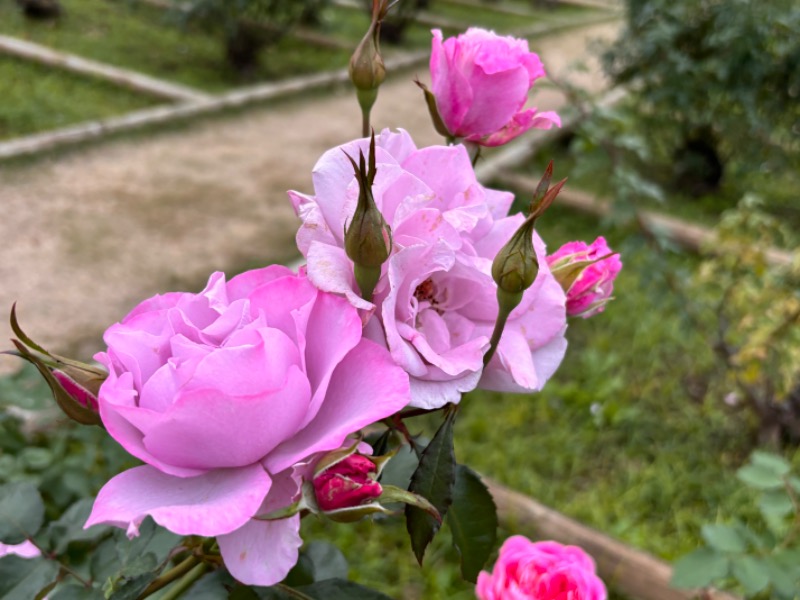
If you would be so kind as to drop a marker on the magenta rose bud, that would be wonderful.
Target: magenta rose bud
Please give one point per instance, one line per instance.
(587, 275)
(348, 483)
(481, 83)
(81, 394)
(540, 571)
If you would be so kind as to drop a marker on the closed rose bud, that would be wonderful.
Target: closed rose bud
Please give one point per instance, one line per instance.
(586, 273)
(348, 483)
(79, 391)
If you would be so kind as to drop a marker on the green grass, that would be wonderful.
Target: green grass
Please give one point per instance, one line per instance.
(145, 39)
(36, 98)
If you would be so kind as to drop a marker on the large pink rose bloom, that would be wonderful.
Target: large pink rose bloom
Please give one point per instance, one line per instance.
(435, 303)
(540, 571)
(227, 395)
(481, 82)
(591, 291)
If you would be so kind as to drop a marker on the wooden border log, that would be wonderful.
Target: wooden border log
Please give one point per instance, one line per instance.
(93, 130)
(632, 572)
(122, 77)
(688, 235)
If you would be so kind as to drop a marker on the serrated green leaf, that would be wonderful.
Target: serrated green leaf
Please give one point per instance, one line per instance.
(318, 561)
(25, 578)
(723, 538)
(750, 572)
(473, 521)
(758, 477)
(777, 464)
(212, 586)
(340, 589)
(433, 480)
(21, 512)
(699, 569)
(775, 503)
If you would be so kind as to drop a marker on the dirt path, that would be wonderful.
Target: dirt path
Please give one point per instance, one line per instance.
(87, 235)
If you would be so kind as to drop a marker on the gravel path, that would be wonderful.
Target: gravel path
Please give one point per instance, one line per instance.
(88, 234)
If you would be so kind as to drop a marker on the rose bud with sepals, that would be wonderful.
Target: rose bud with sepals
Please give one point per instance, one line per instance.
(345, 487)
(367, 71)
(367, 238)
(515, 267)
(74, 384)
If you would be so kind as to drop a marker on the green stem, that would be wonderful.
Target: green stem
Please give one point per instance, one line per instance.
(500, 325)
(184, 584)
(174, 573)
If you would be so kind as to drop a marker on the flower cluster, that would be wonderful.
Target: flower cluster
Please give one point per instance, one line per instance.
(243, 400)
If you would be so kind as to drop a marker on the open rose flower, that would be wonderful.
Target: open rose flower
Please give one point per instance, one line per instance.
(481, 82)
(435, 301)
(227, 396)
(540, 571)
(587, 274)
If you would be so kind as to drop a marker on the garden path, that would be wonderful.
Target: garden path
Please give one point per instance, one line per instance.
(89, 233)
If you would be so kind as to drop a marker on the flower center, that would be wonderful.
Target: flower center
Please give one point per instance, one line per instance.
(428, 292)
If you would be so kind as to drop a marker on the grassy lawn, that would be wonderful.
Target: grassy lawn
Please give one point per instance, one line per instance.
(146, 39)
(37, 98)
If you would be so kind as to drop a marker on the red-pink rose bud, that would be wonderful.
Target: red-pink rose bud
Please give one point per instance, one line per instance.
(346, 484)
(587, 274)
(75, 390)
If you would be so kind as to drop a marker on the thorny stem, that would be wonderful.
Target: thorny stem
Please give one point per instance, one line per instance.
(499, 326)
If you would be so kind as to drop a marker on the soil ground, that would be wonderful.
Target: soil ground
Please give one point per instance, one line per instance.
(89, 233)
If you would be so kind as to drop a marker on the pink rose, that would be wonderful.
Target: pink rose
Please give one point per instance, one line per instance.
(540, 571)
(587, 275)
(481, 82)
(348, 483)
(227, 396)
(435, 303)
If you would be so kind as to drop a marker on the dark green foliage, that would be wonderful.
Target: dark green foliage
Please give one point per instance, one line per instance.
(433, 480)
(718, 79)
(472, 518)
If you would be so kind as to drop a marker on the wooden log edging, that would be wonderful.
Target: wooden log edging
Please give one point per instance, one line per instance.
(131, 80)
(634, 573)
(97, 129)
(687, 235)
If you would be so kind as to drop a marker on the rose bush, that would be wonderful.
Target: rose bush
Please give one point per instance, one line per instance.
(227, 396)
(588, 278)
(481, 83)
(435, 301)
(540, 571)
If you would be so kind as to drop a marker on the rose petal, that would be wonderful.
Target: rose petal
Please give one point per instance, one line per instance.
(212, 504)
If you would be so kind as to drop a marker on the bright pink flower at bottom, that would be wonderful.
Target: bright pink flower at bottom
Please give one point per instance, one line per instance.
(540, 571)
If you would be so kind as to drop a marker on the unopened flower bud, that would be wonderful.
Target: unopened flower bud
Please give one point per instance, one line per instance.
(74, 384)
(347, 484)
(586, 273)
(367, 71)
(368, 238)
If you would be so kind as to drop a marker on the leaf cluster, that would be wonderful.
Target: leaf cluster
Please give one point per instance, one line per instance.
(763, 562)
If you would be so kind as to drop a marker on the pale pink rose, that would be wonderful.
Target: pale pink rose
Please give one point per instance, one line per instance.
(540, 571)
(481, 83)
(24, 550)
(435, 301)
(590, 292)
(227, 396)
(348, 483)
